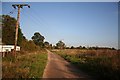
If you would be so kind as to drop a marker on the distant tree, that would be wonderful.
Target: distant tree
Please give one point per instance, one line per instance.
(51, 46)
(80, 47)
(8, 30)
(83, 47)
(60, 45)
(46, 44)
(113, 48)
(54, 47)
(67, 48)
(72, 47)
(38, 39)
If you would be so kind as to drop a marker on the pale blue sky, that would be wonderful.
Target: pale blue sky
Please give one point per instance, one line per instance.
(76, 23)
(59, 0)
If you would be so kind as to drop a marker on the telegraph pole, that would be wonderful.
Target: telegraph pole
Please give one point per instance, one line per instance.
(17, 23)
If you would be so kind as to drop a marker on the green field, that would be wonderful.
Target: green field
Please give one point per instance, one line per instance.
(104, 64)
(24, 66)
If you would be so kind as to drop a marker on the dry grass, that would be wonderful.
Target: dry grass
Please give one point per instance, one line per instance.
(102, 63)
(24, 66)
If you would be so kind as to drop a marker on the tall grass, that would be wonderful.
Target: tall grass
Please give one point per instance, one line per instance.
(24, 66)
(101, 63)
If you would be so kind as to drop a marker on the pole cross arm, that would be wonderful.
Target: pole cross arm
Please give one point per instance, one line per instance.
(20, 5)
(17, 23)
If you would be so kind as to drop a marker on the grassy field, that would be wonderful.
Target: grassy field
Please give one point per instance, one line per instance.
(104, 64)
(30, 65)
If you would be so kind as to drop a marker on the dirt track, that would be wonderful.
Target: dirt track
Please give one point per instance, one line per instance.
(57, 67)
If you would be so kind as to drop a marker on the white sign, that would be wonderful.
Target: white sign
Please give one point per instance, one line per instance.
(8, 48)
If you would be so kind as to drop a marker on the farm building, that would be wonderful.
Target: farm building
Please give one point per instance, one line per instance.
(8, 48)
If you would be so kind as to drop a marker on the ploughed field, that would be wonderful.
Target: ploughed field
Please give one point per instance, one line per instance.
(104, 64)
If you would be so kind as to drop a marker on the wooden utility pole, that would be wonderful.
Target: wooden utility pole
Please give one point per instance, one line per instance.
(17, 24)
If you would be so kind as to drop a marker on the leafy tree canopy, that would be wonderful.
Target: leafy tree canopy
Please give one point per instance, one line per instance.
(38, 39)
(8, 30)
(60, 45)
(46, 44)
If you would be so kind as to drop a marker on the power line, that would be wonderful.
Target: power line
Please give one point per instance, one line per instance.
(17, 23)
(38, 20)
(11, 12)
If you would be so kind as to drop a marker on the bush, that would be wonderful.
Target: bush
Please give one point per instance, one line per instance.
(29, 46)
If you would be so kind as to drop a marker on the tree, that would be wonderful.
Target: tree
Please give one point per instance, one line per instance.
(8, 30)
(60, 45)
(46, 44)
(51, 46)
(72, 47)
(38, 39)
(28, 45)
(83, 47)
(0, 27)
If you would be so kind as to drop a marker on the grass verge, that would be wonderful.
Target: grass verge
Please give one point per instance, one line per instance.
(26, 66)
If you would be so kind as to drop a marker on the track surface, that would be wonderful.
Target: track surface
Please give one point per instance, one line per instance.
(57, 67)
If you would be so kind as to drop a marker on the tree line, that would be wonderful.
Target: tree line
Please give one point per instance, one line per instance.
(8, 36)
(37, 40)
